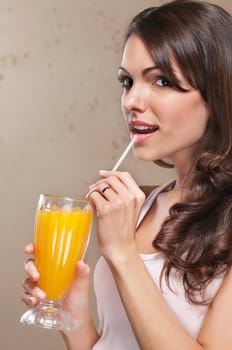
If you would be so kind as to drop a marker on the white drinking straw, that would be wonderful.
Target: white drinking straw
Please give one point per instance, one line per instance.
(124, 154)
(120, 160)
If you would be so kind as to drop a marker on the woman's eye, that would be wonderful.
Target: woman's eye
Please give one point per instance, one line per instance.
(126, 82)
(163, 82)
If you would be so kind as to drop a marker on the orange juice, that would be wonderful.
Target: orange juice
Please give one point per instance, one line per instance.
(61, 238)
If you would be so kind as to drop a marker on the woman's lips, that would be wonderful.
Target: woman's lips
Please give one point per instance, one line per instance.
(142, 128)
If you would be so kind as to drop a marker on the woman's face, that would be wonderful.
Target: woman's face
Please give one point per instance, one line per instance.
(167, 122)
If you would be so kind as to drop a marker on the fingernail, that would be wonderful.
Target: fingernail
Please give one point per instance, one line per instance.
(102, 171)
(35, 275)
(40, 294)
(32, 299)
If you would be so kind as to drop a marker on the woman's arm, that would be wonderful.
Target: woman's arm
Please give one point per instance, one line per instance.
(77, 304)
(117, 211)
(83, 338)
(154, 325)
(216, 330)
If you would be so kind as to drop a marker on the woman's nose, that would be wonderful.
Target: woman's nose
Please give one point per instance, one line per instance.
(134, 99)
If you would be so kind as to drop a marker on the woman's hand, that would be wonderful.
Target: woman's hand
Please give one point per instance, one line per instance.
(32, 294)
(117, 201)
(76, 301)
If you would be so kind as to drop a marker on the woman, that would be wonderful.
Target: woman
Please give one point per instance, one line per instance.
(164, 280)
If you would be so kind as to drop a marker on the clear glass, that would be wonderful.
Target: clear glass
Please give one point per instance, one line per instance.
(61, 236)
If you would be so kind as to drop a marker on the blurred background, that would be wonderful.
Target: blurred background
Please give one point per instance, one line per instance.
(60, 123)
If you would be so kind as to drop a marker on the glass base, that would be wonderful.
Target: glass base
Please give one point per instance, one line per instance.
(48, 314)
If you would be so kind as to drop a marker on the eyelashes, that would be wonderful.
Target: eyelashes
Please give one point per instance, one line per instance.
(163, 82)
(125, 81)
(159, 81)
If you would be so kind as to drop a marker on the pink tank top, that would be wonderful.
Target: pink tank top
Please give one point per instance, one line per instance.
(114, 327)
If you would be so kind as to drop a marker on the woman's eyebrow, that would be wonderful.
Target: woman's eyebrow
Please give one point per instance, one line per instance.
(144, 72)
(149, 69)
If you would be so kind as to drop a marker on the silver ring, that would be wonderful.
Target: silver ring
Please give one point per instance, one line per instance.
(105, 189)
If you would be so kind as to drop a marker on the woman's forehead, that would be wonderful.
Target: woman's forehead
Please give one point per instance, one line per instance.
(135, 50)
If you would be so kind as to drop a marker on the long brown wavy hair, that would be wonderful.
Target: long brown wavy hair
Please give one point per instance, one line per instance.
(196, 239)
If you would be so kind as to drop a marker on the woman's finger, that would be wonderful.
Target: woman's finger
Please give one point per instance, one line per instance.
(28, 285)
(31, 287)
(29, 248)
(31, 269)
(123, 176)
(124, 184)
(101, 187)
(29, 299)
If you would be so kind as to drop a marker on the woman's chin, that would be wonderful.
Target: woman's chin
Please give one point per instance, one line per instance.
(142, 156)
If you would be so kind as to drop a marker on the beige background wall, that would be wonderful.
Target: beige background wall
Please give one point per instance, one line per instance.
(60, 123)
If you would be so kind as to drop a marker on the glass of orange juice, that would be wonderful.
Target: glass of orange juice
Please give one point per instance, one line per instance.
(62, 231)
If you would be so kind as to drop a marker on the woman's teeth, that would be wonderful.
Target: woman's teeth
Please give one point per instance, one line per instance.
(143, 129)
